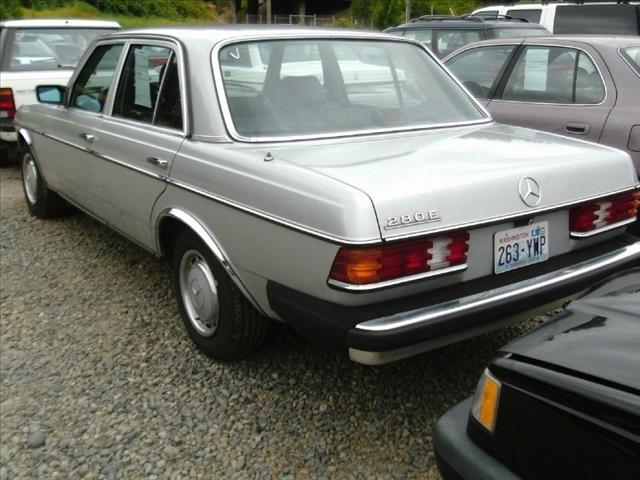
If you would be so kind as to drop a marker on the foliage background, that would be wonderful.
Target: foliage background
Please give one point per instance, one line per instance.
(131, 13)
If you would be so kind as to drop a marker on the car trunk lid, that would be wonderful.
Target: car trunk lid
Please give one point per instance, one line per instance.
(425, 182)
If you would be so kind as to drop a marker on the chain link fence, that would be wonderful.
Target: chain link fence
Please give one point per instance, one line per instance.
(309, 20)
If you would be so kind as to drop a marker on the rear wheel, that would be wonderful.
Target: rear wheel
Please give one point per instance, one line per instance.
(42, 202)
(218, 318)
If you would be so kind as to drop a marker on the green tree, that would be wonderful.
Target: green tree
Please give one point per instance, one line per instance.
(361, 9)
(386, 13)
(10, 9)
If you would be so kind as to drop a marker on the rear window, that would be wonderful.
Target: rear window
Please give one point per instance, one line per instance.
(532, 15)
(632, 56)
(335, 87)
(598, 19)
(519, 32)
(33, 49)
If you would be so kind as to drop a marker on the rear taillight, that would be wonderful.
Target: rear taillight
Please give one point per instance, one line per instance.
(7, 105)
(367, 265)
(594, 216)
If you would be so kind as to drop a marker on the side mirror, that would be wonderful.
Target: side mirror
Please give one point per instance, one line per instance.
(53, 94)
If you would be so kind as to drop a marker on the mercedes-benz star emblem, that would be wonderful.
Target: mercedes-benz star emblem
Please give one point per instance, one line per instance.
(530, 191)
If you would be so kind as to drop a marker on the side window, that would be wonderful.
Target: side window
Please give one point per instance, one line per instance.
(140, 82)
(486, 14)
(92, 85)
(532, 15)
(542, 74)
(169, 110)
(478, 68)
(589, 86)
(421, 35)
(448, 41)
(611, 19)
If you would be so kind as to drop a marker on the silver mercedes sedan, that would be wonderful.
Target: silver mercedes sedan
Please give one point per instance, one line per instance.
(342, 182)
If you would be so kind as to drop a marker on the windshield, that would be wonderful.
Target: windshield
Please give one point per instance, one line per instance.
(520, 32)
(632, 56)
(333, 87)
(48, 48)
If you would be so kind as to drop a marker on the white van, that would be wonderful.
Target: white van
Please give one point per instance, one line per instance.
(570, 18)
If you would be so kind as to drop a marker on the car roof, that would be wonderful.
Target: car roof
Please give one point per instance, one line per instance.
(218, 33)
(597, 41)
(53, 23)
(469, 21)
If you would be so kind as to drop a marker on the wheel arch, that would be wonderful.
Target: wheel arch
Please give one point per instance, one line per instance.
(172, 221)
(24, 139)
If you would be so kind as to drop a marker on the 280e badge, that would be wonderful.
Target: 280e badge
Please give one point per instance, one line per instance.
(413, 219)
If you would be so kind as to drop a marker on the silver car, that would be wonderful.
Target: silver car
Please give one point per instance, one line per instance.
(342, 182)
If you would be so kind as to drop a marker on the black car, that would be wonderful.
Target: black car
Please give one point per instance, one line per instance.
(560, 402)
(443, 35)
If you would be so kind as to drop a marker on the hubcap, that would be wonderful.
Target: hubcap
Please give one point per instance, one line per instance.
(30, 178)
(199, 293)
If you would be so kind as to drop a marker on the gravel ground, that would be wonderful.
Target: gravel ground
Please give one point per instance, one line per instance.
(99, 380)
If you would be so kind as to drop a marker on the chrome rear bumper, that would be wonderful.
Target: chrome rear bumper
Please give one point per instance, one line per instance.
(489, 300)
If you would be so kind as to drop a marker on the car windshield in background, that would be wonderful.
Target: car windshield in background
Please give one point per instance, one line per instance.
(632, 56)
(48, 48)
(293, 88)
(520, 32)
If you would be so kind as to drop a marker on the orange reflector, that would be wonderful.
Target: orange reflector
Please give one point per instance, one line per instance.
(485, 402)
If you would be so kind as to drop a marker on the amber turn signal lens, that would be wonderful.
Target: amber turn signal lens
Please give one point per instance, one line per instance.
(485, 403)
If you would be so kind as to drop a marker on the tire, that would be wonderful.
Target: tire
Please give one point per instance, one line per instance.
(232, 328)
(42, 202)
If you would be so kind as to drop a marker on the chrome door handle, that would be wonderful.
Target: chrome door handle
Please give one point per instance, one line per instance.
(88, 137)
(157, 162)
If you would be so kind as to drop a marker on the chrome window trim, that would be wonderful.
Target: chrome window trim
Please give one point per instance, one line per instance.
(228, 119)
(525, 45)
(396, 281)
(81, 65)
(597, 231)
(176, 49)
(512, 216)
(621, 54)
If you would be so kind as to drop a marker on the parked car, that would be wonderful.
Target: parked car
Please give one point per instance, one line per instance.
(444, 35)
(384, 218)
(33, 52)
(585, 87)
(574, 17)
(563, 401)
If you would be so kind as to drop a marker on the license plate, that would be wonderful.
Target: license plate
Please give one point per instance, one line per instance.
(519, 247)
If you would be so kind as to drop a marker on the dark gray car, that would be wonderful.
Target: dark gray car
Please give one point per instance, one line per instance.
(582, 86)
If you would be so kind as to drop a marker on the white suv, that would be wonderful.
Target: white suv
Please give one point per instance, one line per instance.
(608, 18)
(36, 52)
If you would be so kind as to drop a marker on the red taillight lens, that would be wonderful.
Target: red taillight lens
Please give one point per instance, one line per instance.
(7, 105)
(593, 216)
(365, 265)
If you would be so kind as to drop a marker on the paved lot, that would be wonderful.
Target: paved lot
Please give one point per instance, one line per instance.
(98, 377)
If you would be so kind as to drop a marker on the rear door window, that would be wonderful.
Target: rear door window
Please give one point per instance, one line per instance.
(91, 88)
(149, 89)
(422, 35)
(597, 19)
(478, 68)
(632, 56)
(532, 15)
(554, 75)
(448, 41)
